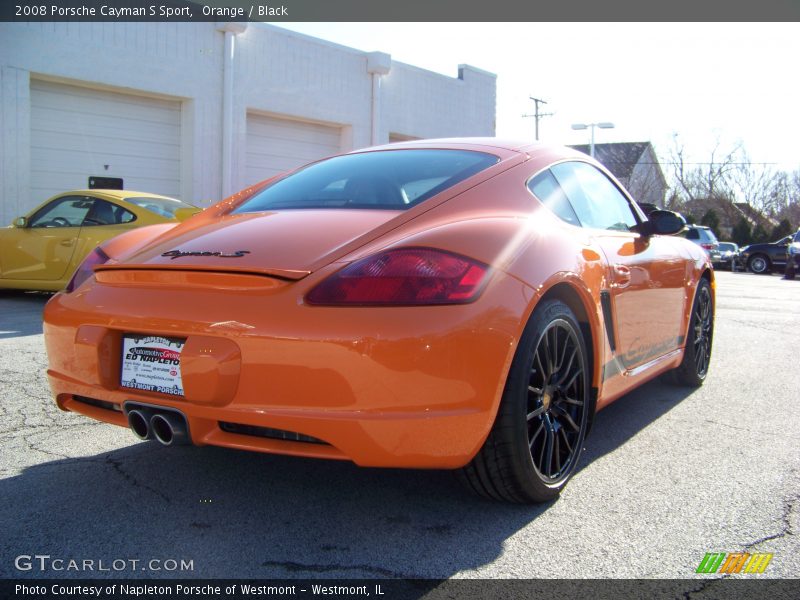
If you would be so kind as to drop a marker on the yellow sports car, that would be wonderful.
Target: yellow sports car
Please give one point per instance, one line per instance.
(41, 250)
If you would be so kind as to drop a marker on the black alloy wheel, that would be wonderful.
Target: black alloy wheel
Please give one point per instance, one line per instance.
(556, 404)
(537, 438)
(693, 369)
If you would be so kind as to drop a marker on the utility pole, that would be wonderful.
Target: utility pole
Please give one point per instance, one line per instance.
(536, 114)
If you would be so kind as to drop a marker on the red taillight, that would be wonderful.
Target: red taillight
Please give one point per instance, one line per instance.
(95, 257)
(406, 276)
(707, 246)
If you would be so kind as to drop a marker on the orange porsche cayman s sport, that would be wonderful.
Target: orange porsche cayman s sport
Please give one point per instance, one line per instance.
(463, 304)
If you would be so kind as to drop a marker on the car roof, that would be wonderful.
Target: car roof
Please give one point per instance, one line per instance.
(119, 194)
(502, 147)
(458, 142)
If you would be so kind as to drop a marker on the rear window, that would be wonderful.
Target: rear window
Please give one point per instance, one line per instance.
(164, 207)
(390, 179)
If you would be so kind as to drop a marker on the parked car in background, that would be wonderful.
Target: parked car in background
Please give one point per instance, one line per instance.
(793, 263)
(728, 256)
(705, 238)
(461, 304)
(41, 250)
(762, 258)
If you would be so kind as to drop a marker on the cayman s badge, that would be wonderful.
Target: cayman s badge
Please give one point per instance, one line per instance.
(173, 254)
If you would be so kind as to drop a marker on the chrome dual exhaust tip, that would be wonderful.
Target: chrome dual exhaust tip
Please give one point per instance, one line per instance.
(169, 429)
(139, 424)
(168, 426)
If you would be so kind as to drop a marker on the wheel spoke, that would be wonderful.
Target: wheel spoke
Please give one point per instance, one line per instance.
(569, 365)
(536, 435)
(563, 351)
(548, 448)
(569, 384)
(535, 390)
(535, 413)
(542, 370)
(572, 401)
(557, 454)
(569, 420)
(544, 447)
(566, 441)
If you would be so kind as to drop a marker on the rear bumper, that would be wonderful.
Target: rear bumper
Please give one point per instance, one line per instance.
(390, 387)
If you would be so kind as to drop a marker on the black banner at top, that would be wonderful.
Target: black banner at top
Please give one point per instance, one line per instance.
(393, 10)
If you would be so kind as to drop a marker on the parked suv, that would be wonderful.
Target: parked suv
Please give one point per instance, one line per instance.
(762, 258)
(705, 238)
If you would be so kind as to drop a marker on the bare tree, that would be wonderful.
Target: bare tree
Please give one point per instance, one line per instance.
(705, 179)
(761, 186)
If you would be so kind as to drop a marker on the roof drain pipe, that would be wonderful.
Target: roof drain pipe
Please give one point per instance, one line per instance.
(231, 30)
(378, 65)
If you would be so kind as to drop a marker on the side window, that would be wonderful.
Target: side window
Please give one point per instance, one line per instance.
(597, 202)
(106, 213)
(545, 187)
(68, 211)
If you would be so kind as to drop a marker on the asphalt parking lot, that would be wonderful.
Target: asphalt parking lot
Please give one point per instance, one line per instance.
(668, 475)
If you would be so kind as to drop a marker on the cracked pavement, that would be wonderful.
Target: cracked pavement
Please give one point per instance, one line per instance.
(668, 475)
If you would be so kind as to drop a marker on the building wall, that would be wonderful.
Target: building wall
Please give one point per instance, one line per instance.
(276, 73)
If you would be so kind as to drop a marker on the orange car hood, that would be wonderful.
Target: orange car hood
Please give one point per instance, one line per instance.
(289, 243)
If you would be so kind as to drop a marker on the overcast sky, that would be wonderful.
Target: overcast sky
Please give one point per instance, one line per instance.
(703, 82)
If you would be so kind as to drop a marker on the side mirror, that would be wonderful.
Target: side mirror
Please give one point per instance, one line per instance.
(21, 222)
(662, 222)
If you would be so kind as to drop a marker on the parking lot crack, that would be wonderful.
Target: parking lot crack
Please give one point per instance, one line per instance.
(31, 445)
(789, 507)
(117, 465)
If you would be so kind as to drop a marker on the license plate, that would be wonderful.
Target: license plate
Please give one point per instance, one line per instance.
(151, 363)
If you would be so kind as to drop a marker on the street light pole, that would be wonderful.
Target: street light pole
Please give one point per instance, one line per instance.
(602, 125)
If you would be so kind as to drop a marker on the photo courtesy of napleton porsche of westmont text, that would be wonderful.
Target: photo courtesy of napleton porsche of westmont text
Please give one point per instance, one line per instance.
(166, 590)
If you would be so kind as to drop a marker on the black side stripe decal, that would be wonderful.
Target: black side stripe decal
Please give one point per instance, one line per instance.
(608, 319)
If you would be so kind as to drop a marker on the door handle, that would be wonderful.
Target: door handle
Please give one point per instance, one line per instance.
(621, 276)
(67, 242)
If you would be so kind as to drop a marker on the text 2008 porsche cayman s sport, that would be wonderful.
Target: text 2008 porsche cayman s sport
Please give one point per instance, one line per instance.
(463, 304)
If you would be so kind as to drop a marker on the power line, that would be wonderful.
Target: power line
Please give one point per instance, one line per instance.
(536, 114)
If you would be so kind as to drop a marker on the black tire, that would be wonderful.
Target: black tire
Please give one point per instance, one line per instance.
(537, 438)
(759, 264)
(697, 355)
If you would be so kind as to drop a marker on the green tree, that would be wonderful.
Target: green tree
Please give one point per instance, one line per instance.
(690, 218)
(760, 234)
(782, 229)
(711, 220)
(742, 233)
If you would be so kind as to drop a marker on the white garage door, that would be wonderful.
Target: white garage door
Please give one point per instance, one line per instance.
(275, 145)
(76, 132)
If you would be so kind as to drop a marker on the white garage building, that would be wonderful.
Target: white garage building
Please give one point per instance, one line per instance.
(200, 110)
